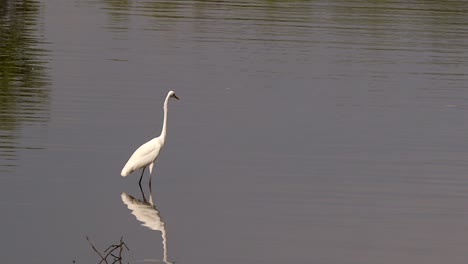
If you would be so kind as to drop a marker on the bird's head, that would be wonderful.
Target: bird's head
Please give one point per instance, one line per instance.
(173, 95)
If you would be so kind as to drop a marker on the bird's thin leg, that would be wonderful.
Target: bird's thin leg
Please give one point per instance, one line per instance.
(151, 172)
(141, 177)
(150, 195)
(143, 194)
(151, 192)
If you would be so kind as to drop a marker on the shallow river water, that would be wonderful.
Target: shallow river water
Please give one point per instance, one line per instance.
(306, 131)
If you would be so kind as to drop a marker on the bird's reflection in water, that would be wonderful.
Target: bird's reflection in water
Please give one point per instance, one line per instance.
(146, 212)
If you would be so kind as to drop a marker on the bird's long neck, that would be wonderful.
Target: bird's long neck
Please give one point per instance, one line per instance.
(164, 128)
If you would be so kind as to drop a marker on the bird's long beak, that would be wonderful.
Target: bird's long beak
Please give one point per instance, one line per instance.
(175, 96)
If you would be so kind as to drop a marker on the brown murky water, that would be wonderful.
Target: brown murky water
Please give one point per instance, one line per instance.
(307, 131)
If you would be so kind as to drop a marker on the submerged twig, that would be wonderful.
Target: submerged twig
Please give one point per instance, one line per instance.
(110, 250)
(95, 250)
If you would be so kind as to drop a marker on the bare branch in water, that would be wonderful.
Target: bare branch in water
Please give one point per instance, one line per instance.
(110, 250)
(95, 250)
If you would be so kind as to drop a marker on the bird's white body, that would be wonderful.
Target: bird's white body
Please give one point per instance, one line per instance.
(147, 153)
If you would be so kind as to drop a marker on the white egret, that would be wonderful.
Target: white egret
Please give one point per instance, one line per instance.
(147, 153)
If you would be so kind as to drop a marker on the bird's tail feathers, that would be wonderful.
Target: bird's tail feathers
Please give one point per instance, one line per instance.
(126, 171)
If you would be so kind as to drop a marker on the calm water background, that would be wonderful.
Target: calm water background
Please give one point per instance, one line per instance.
(307, 131)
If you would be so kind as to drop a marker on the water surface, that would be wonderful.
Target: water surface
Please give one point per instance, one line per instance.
(307, 131)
